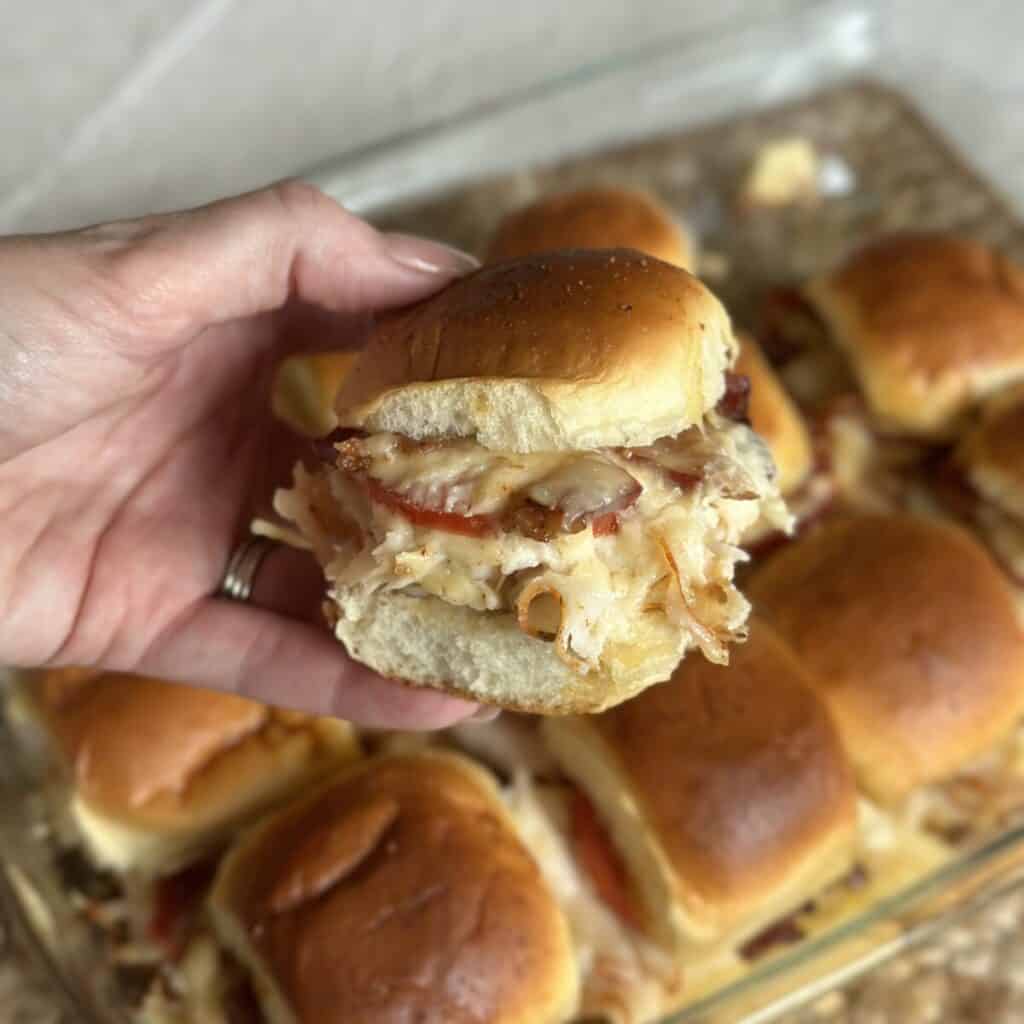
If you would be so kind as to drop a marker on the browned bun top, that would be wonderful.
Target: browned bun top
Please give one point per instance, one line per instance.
(570, 349)
(601, 217)
(909, 633)
(992, 453)
(931, 324)
(401, 892)
(162, 754)
(775, 417)
(739, 772)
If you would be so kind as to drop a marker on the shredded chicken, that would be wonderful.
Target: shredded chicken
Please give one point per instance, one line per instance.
(613, 536)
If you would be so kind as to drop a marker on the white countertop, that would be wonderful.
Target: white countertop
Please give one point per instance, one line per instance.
(125, 106)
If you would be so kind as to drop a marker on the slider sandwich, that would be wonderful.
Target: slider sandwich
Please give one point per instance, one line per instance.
(910, 635)
(599, 217)
(697, 824)
(156, 775)
(924, 327)
(398, 891)
(716, 818)
(723, 797)
(929, 324)
(892, 349)
(989, 466)
(536, 497)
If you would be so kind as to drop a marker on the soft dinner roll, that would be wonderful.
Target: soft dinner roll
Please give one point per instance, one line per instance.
(775, 418)
(534, 499)
(725, 791)
(161, 774)
(930, 324)
(400, 891)
(600, 217)
(909, 633)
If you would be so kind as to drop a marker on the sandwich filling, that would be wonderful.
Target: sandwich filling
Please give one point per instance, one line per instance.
(577, 546)
(626, 979)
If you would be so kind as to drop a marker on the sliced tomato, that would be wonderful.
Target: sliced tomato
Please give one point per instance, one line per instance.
(432, 518)
(177, 901)
(594, 852)
(687, 481)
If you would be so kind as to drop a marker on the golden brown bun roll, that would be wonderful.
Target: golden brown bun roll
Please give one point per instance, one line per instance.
(930, 324)
(775, 417)
(992, 453)
(162, 773)
(561, 350)
(304, 390)
(602, 217)
(910, 635)
(400, 891)
(726, 791)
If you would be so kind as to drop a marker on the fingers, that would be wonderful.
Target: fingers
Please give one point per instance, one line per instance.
(166, 278)
(258, 654)
(176, 274)
(291, 583)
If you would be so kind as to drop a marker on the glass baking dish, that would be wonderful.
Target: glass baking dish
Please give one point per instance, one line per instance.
(688, 120)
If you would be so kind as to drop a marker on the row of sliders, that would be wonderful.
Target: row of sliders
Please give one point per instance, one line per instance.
(868, 727)
(608, 866)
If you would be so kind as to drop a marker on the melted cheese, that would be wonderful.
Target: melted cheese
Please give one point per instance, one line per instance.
(982, 795)
(625, 979)
(198, 983)
(457, 476)
(671, 562)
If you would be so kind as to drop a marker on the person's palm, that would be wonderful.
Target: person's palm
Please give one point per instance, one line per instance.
(146, 353)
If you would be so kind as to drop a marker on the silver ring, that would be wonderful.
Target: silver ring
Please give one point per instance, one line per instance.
(244, 563)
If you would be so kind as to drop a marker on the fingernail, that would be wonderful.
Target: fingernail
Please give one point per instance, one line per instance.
(484, 714)
(428, 256)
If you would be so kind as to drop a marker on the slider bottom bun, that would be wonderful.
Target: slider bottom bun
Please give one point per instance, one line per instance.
(399, 891)
(485, 656)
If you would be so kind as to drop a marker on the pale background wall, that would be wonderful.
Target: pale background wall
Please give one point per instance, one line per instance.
(114, 107)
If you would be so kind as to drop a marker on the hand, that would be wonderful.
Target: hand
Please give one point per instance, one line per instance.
(136, 442)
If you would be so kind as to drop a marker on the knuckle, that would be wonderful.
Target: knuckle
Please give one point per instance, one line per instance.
(301, 199)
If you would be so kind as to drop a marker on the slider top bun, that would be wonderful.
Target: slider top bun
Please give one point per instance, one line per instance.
(561, 350)
(602, 217)
(726, 790)
(775, 417)
(992, 453)
(159, 770)
(400, 891)
(909, 633)
(930, 324)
